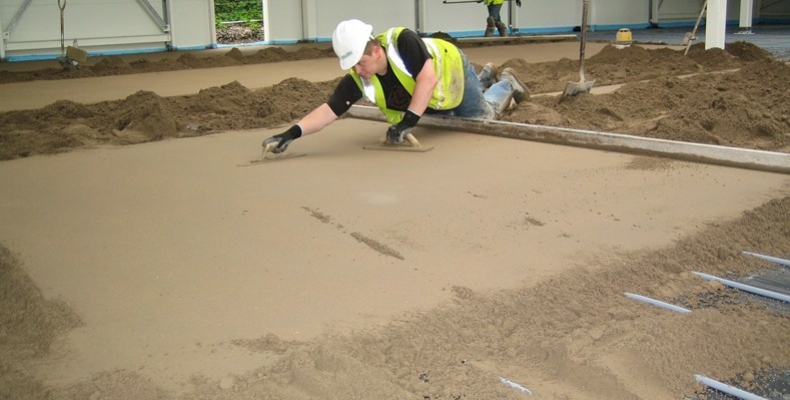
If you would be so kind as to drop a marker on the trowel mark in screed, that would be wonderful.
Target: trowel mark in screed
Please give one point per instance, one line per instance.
(381, 248)
(533, 221)
(318, 215)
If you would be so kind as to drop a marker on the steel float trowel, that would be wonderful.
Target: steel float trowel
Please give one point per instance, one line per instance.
(268, 156)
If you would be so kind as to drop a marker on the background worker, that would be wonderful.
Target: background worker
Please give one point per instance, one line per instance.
(405, 76)
(494, 20)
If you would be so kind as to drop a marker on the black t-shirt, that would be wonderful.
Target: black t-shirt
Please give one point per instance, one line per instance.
(414, 54)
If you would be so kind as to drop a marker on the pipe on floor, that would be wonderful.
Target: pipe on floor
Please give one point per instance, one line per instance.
(745, 288)
(658, 303)
(776, 260)
(731, 390)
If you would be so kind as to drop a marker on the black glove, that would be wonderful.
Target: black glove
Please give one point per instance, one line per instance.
(396, 133)
(518, 3)
(283, 140)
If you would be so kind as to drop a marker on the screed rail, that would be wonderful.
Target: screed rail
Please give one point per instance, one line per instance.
(703, 153)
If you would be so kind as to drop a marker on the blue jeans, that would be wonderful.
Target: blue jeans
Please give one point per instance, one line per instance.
(478, 104)
(493, 12)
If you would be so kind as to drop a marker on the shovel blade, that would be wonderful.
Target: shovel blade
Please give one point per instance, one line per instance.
(574, 88)
(77, 54)
(689, 37)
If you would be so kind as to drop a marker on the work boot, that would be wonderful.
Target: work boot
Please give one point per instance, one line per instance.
(487, 75)
(489, 27)
(520, 91)
(502, 29)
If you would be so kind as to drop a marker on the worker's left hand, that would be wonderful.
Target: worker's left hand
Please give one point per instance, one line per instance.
(518, 3)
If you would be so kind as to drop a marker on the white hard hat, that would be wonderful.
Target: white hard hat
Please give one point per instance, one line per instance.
(349, 40)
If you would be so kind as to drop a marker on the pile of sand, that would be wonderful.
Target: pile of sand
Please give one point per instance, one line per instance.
(716, 108)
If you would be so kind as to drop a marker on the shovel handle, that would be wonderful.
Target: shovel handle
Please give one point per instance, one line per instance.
(62, 7)
(582, 45)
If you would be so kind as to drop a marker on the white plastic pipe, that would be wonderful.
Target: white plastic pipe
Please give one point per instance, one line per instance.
(779, 261)
(515, 386)
(745, 288)
(732, 390)
(654, 302)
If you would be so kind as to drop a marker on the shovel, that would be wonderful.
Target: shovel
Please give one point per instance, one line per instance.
(583, 86)
(691, 36)
(72, 55)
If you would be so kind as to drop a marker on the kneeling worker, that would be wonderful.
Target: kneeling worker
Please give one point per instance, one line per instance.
(405, 76)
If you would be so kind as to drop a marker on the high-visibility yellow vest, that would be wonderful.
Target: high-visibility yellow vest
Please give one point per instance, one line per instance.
(493, 2)
(447, 62)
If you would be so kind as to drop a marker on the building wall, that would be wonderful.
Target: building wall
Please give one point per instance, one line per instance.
(460, 18)
(769, 10)
(282, 20)
(126, 26)
(106, 26)
(192, 24)
(680, 12)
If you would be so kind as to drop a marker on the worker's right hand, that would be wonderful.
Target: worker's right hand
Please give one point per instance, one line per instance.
(279, 143)
(396, 133)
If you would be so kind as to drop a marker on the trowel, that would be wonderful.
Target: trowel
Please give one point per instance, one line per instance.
(410, 144)
(268, 156)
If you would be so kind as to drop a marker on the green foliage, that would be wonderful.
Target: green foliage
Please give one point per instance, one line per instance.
(249, 11)
(255, 25)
